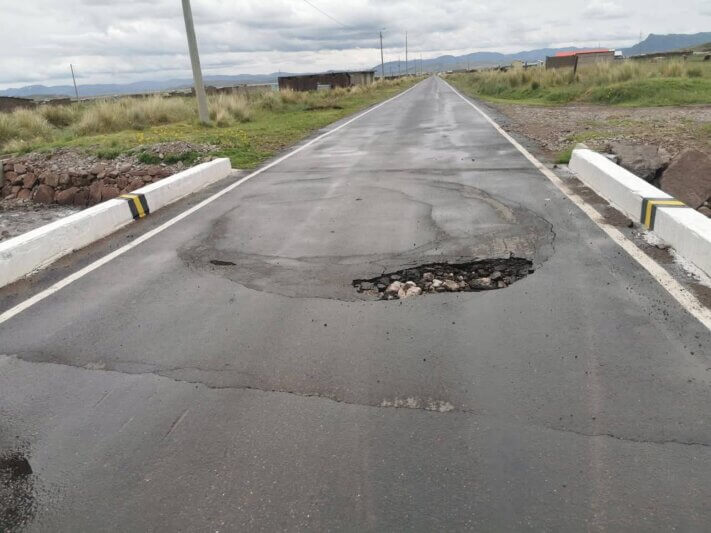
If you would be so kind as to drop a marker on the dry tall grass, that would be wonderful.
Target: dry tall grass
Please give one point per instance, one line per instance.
(24, 127)
(595, 75)
(132, 113)
(651, 82)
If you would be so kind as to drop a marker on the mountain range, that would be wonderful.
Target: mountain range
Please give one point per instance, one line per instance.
(653, 43)
(138, 87)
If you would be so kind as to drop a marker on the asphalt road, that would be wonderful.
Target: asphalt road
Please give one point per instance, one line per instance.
(161, 392)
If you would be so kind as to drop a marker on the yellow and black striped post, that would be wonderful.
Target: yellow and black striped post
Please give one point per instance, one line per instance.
(649, 209)
(138, 205)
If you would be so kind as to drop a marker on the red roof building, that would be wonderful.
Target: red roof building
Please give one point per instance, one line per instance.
(581, 52)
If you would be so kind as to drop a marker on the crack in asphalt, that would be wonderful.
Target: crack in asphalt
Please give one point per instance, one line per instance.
(635, 440)
(411, 403)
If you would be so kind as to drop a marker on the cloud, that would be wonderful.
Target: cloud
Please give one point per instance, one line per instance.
(112, 41)
(604, 10)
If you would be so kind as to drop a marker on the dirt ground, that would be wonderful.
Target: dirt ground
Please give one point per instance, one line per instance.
(556, 129)
(20, 217)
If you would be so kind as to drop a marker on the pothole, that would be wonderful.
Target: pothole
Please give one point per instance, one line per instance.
(220, 262)
(319, 242)
(17, 503)
(473, 276)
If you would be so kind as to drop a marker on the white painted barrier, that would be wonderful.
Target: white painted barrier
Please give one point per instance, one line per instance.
(40, 247)
(683, 228)
(168, 190)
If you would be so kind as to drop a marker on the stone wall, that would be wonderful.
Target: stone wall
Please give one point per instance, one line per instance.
(66, 177)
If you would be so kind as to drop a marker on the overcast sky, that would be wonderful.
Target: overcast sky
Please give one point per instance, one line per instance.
(111, 41)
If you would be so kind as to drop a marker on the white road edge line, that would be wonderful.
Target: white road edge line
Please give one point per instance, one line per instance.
(685, 298)
(26, 304)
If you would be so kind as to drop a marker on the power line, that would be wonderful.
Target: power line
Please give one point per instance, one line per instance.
(334, 19)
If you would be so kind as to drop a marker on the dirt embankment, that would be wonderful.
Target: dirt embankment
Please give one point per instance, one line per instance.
(667, 146)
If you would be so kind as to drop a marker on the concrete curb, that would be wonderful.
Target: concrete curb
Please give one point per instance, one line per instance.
(683, 228)
(40, 247)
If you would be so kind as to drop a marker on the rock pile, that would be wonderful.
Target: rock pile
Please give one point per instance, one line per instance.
(68, 177)
(686, 177)
(474, 276)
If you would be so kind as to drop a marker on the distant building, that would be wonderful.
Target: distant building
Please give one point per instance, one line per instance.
(665, 55)
(311, 82)
(582, 57)
(10, 103)
(517, 63)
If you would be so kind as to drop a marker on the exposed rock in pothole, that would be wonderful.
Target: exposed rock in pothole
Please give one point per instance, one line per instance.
(473, 276)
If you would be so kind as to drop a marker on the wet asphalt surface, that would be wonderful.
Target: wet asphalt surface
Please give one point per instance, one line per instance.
(163, 392)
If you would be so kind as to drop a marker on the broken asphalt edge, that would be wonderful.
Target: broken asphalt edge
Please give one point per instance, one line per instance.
(36, 249)
(681, 227)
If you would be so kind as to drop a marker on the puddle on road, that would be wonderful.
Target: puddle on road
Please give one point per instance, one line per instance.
(472, 276)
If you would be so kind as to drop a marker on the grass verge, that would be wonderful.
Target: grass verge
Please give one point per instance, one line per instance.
(623, 83)
(246, 128)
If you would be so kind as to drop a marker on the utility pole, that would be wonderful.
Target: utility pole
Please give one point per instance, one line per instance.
(406, 66)
(195, 62)
(382, 61)
(76, 91)
(398, 66)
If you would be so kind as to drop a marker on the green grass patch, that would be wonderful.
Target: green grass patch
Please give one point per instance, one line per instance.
(108, 153)
(563, 158)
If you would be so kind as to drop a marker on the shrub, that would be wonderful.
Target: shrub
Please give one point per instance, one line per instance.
(108, 116)
(60, 116)
(339, 92)
(289, 96)
(189, 158)
(108, 153)
(230, 107)
(221, 117)
(17, 145)
(148, 158)
(6, 129)
(270, 101)
(31, 124)
(694, 72)
(671, 69)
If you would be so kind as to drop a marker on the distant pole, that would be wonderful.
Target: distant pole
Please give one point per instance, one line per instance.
(195, 62)
(406, 66)
(398, 65)
(76, 91)
(382, 61)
